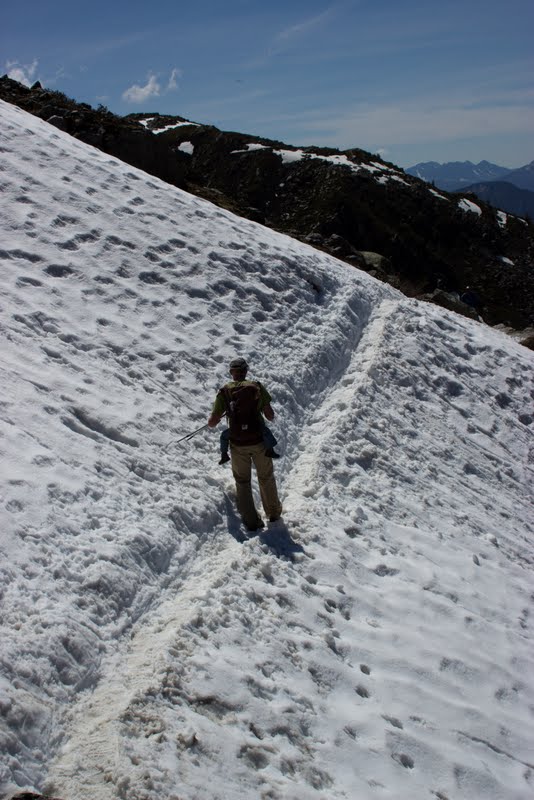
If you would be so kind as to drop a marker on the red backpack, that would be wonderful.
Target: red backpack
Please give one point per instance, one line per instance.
(242, 409)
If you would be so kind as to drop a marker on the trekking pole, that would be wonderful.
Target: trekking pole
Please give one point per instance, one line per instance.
(190, 435)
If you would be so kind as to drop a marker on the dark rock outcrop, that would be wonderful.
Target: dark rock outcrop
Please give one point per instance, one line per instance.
(350, 204)
(31, 796)
(353, 203)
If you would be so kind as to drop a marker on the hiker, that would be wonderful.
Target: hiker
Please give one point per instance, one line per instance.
(269, 440)
(245, 403)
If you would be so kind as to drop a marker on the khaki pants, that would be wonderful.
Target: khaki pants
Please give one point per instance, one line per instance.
(243, 456)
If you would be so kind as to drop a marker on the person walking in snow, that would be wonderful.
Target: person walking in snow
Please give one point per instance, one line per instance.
(245, 403)
(269, 441)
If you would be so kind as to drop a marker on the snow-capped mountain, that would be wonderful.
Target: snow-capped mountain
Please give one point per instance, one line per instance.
(375, 643)
(523, 177)
(455, 175)
(501, 187)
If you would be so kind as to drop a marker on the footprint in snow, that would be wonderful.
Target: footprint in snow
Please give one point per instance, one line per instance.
(406, 761)
(382, 570)
(394, 721)
(14, 506)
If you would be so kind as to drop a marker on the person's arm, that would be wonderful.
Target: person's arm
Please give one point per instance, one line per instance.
(218, 411)
(265, 401)
(268, 412)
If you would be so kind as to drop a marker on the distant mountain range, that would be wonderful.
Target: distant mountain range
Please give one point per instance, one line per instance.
(511, 190)
(455, 175)
(458, 174)
(523, 177)
(504, 195)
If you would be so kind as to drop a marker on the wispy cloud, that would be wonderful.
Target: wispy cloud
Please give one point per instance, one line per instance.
(498, 97)
(152, 88)
(383, 152)
(176, 74)
(379, 126)
(393, 125)
(290, 37)
(58, 75)
(303, 27)
(228, 109)
(23, 73)
(96, 49)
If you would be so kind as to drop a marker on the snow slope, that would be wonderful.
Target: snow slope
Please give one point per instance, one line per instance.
(377, 643)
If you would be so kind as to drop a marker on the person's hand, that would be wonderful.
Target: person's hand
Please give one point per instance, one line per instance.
(268, 412)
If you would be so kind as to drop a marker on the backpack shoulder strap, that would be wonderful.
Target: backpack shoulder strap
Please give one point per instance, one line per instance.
(263, 394)
(224, 393)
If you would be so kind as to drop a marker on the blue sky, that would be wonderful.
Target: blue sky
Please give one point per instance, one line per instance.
(411, 80)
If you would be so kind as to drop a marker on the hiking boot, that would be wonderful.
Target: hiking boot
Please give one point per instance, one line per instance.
(270, 453)
(224, 459)
(259, 524)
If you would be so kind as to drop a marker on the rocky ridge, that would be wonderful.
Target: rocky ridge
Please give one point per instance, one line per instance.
(504, 195)
(351, 204)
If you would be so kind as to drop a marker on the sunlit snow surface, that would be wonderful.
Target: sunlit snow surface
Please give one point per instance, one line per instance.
(378, 642)
(145, 123)
(384, 173)
(468, 205)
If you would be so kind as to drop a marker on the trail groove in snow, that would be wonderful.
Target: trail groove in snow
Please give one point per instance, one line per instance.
(322, 420)
(87, 759)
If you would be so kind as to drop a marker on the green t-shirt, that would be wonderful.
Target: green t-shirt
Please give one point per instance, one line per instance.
(219, 407)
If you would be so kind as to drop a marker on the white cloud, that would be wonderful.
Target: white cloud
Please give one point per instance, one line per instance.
(138, 94)
(173, 80)
(152, 88)
(23, 73)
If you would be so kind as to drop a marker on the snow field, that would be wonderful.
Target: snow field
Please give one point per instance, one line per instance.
(375, 643)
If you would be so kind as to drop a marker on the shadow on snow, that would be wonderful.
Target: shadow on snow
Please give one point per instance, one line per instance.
(276, 537)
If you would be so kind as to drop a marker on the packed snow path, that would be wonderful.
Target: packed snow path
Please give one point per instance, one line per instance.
(375, 644)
